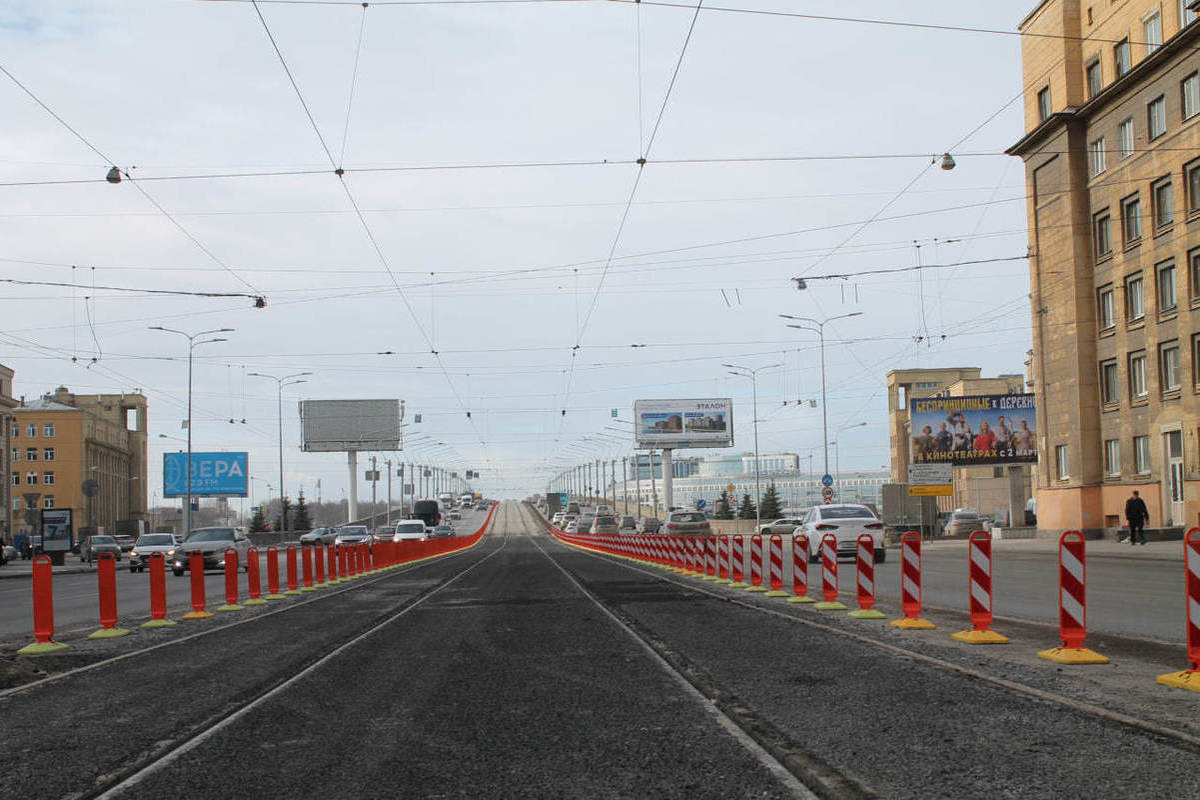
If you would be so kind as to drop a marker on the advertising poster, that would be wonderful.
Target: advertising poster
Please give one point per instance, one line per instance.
(684, 423)
(213, 475)
(56, 530)
(974, 430)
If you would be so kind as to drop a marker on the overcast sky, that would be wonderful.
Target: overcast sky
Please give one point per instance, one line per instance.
(504, 270)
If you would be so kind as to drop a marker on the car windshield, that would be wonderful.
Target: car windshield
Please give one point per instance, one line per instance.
(443, 528)
(103, 540)
(687, 516)
(846, 512)
(353, 530)
(410, 527)
(155, 539)
(965, 515)
(605, 521)
(212, 535)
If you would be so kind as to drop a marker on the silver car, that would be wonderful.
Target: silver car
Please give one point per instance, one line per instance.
(147, 543)
(352, 534)
(319, 536)
(212, 544)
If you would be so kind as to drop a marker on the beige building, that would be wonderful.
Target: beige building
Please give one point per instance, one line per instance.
(64, 443)
(991, 490)
(1112, 158)
(7, 404)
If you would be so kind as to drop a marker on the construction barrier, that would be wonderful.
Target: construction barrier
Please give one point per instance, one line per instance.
(829, 575)
(231, 582)
(723, 559)
(306, 568)
(273, 573)
(775, 574)
(158, 593)
(1190, 678)
(864, 571)
(343, 559)
(196, 576)
(737, 566)
(1072, 603)
(331, 561)
(293, 582)
(43, 610)
(756, 564)
(710, 558)
(800, 553)
(253, 583)
(979, 548)
(319, 564)
(106, 577)
(910, 584)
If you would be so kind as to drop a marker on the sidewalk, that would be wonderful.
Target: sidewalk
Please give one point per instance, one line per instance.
(18, 568)
(1096, 548)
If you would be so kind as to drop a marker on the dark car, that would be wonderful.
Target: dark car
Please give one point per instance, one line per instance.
(648, 525)
(212, 543)
(688, 522)
(126, 542)
(628, 524)
(604, 524)
(93, 546)
(441, 531)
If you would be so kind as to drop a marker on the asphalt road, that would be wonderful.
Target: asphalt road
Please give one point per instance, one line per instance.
(526, 668)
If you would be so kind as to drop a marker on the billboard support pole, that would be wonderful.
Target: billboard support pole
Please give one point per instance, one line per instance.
(637, 480)
(352, 495)
(668, 471)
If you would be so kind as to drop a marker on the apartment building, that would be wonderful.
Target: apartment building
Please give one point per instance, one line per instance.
(7, 404)
(1112, 159)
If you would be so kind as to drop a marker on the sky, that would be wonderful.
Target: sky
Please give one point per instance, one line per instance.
(493, 246)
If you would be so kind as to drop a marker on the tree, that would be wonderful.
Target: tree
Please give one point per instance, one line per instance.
(302, 520)
(747, 510)
(285, 506)
(769, 505)
(724, 509)
(258, 523)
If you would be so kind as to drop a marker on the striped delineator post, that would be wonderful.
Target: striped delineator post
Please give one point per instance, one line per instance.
(756, 564)
(800, 552)
(775, 571)
(1072, 604)
(1190, 678)
(737, 566)
(829, 575)
(864, 574)
(910, 585)
(710, 558)
(979, 590)
(723, 558)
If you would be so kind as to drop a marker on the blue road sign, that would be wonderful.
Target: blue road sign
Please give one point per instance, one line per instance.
(827, 480)
(701, 503)
(213, 474)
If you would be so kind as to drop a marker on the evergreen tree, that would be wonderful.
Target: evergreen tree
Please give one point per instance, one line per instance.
(285, 507)
(769, 505)
(302, 521)
(724, 509)
(747, 510)
(258, 523)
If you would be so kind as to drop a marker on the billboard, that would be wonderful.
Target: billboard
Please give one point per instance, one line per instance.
(683, 423)
(339, 426)
(213, 474)
(57, 530)
(973, 430)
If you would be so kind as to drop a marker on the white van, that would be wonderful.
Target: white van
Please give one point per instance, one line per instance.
(408, 530)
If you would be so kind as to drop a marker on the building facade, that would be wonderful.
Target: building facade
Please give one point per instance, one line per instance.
(7, 501)
(1112, 160)
(64, 445)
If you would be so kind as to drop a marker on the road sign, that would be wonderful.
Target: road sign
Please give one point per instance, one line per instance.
(932, 490)
(827, 480)
(827, 494)
(731, 488)
(701, 504)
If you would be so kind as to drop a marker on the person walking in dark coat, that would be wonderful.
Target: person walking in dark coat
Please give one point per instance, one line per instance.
(1136, 515)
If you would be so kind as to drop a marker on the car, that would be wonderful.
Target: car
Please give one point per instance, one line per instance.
(963, 522)
(212, 543)
(441, 531)
(455, 515)
(648, 525)
(481, 507)
(604, 523)
(409, 530)
(627, 524)
(572, 526)
(691, 523)
(846, 521)
(557, 519)
(148, 543)
(93, 546)
(352, 534)
(603, 509)
(8, 553)
(126, 542)
(780, 526)
(567, 519)
(584, 523)
(319, 536)
(384, 533)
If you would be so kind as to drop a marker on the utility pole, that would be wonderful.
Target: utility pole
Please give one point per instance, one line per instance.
(388, 518)
(374, 480)
(625, 484)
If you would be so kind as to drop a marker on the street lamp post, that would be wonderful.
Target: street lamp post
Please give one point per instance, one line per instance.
(837, 454)
(280, 382)
(192, 345)
(752, 374)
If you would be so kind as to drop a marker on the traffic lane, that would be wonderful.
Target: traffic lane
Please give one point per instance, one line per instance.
(509, 683)
(903, 728)
(61, 737)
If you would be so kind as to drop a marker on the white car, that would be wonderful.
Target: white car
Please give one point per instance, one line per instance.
(408, 530)
(846, 521)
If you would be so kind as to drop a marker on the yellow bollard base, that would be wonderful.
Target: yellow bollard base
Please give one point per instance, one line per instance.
(867, 613)
(776, 593)
(738, 585)
(708, 578)
(41, 648)
(159, 623)
(1188, 679)
(980, 637)
(291, 592)
(723, 581)
(197, 615)
(1072, 655)
(801, 599)
(255, 601)
(275, 596)
(910, 624)
(762, 589)
(308, 588)
(830, 605)
(230, 607)
(109, 633)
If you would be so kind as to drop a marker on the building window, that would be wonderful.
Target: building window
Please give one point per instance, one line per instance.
(1109, 383)
(1135, 298)
(1196, 361)
(1095, 81)
(48, 501)
(48, 454)
(1190, 90)
(1102, 225)
(1121, 57)
(1112, 457)
(47, 478)
(1191, 179)
(1137, 375)
(1152, 32)
(1163, 197)
(1168, 365)
(16, 454)
(1141, 454)
(1194, 269)
(1062, 461)
(1156, 117)
(31, 479)
(1186, 15)
(1043, 100)
(1131, 219)
(1096, 156)
(31, 430)
(1107, 307)
(48, 430)
(16, 479)
(31, 454)
(1125, 137)
(1168, 299)
(16, 430)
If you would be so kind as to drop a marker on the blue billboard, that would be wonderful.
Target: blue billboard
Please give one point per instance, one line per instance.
(213, 474)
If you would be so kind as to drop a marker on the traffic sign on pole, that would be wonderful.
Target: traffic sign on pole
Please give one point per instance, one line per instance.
(827, 480)
(827, 494)
(731, 488)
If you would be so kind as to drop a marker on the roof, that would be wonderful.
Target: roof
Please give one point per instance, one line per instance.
(45, 404)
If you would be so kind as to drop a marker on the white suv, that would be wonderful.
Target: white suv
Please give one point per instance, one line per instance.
(408, 530)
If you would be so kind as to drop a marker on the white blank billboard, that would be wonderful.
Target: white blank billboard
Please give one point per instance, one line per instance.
(339, 426)
(683, 423)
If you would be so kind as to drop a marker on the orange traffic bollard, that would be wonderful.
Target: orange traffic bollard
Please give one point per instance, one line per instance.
(829, 575)
(1072, 604)
(106, 574)
(1190, 678)
(979, 547)
(737, 562)
(756, 564)
(158, 593)
(43, 610)
(342, 557)
(253, 582)
(273, 573)
(319, 563)
(800, 553)
(910, 585)
(723, 547)
(865, 579)
(231, 581)
(307, 562)
(199, 600)
(292, 582)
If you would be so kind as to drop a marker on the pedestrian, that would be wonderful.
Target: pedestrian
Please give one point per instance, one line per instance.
(1136, 515)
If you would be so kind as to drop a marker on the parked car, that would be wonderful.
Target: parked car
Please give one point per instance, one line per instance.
(648, 525)
(148, 543)
(846, 521)
(691, 523)
(780, 526)
(963, 522)
(352, 534)
(93, 546)
(319, 536)
(442, 531)
(212, 543)
(604, 524)
(408, 530)
(627, 524)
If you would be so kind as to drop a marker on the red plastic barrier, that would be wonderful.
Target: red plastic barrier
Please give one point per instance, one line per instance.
(800, 553)
(199, 600)
(253, 582)
(319, 563)
(865, 578)
(756, 561)
(273, 572)
(43, 609)
(737, 567)
(694, 566)
(231, 581)
(710, 556)
(1072, 603)
(306, 566)
(723, 558)
(1190, 678)
(979, 548)
(829, 574)
(775, 575)
(331, 561)
(910, 584)
(158, 591)
(106, 575)
(293, 584)
(342, 558)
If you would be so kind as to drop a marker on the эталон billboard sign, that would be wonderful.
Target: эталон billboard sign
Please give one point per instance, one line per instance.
(683, 423)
